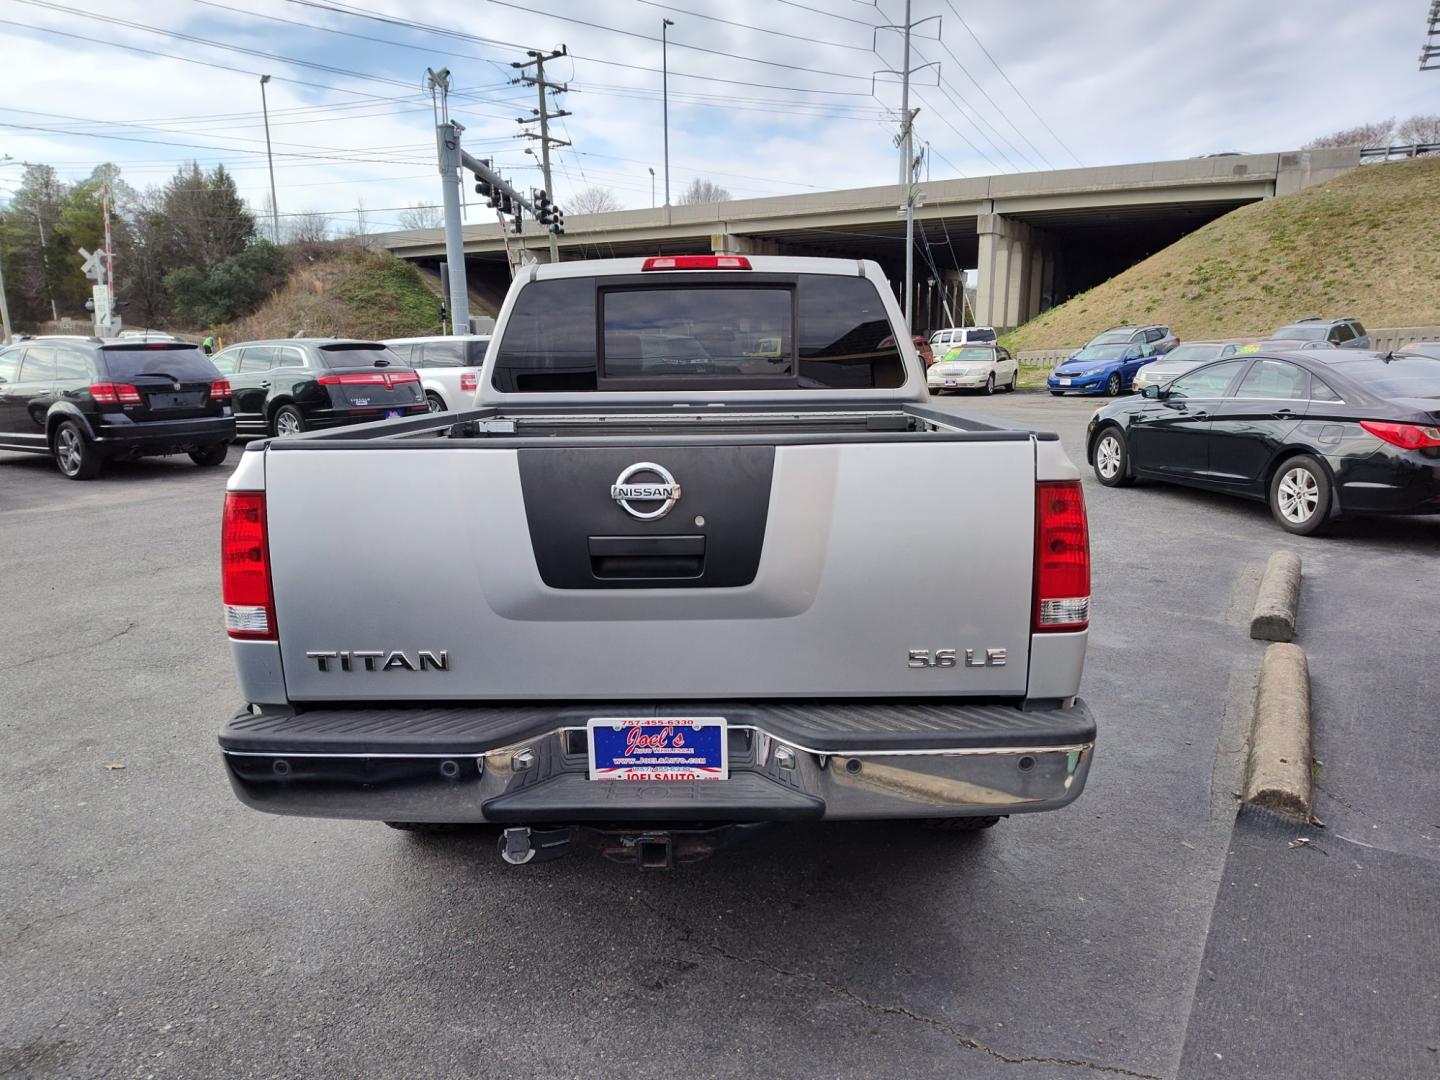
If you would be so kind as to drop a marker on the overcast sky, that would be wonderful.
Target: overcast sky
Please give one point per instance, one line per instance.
(789, 109)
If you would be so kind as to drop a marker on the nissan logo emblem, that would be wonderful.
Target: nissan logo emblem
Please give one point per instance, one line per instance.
(663, 490)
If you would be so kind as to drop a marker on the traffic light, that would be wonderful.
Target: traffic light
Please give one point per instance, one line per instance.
(483, 186)
(557, 222)
(519, 217)
(544, 209)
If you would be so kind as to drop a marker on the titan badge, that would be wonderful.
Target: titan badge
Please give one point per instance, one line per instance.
(380, 660)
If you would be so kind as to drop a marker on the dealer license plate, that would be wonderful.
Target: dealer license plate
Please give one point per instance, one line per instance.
(1064, 382)
(658, 748)
(951, 382)
(392, 414)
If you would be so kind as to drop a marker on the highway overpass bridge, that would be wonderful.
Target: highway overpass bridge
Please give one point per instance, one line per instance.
(1036, 238)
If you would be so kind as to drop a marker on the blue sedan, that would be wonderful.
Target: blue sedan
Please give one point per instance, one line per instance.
(1099, 369)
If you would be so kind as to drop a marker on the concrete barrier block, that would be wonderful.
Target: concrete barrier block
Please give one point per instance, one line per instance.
(1278, 599)
(1278, 776)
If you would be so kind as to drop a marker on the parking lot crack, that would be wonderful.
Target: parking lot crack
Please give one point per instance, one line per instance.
(852, 997)
(129, 625)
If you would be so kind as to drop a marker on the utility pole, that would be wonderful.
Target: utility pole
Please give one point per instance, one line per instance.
(274, 205)
(4, 310)
(545, 116)
(906, 142)
(501, 195)
(45, 265)
(665, 25)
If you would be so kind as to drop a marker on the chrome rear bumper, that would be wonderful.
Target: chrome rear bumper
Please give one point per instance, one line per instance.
(544, 778)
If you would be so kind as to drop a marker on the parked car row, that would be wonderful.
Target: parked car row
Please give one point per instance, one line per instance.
(85, 400)
(1117, 359)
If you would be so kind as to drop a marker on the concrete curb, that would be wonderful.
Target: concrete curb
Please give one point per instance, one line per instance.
(1277, 600)
(1278, 776)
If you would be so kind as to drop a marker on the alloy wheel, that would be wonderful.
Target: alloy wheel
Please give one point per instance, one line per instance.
(1298, 495)
(287, 424)
(1107, 457)
(68, 450)
(432, 404)
(1113, 386)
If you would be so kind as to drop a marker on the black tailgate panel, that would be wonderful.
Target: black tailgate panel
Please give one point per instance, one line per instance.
(711, 538)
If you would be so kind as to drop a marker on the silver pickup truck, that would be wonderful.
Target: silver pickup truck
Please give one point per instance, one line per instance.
(703, 557)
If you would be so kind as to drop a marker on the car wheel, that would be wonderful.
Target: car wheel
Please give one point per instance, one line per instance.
(1112, 384)
(990, 384)
(210, 456)
(1014, 380)
(960, 824)
(74, 454)
(1112, 466)
(433, 402)
(288, 421)
(1300, 495)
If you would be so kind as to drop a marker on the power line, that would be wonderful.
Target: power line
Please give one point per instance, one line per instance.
(831, 14)
(1003, 114)
(210, 43)
(946, 121)
(531, 9)
(1012, 86)
(757, 29)
(360, 13)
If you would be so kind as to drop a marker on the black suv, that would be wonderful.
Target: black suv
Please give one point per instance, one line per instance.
(291, 385)
(85, 400)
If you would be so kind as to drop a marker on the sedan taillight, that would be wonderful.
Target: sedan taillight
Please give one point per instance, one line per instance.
(1405, 436)
(113, 393)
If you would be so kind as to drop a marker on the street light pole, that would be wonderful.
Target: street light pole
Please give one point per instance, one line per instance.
(652, 187)
(665, 25)
(274, 204)
(4, 311)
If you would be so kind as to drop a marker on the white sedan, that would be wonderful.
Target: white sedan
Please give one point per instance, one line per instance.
(974, 367)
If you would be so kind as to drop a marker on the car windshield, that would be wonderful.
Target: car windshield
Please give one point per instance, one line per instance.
(1101, 352)
(1194, 353)
(1307, 332)
(971, 353)
(134, 361)
(1412, 376)
(1112, 337)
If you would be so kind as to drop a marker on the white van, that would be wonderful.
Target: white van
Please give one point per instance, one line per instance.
(952, 336)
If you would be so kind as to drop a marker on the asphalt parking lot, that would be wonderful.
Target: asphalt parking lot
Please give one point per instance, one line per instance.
(152, 926)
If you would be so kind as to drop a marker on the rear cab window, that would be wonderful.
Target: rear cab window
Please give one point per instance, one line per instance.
(712, 331)
(186, 363)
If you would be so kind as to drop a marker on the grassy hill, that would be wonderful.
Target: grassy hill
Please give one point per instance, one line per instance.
(1363, 244)
(344, 293)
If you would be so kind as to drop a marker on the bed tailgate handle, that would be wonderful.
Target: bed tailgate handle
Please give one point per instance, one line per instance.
(647, 557)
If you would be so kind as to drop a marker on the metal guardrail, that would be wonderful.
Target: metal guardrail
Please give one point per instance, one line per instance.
(1374, 154)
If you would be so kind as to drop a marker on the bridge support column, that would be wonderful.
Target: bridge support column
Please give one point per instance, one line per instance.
(726, 243)
(1007, 256)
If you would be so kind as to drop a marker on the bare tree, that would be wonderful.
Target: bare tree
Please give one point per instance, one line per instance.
(309, 227)
(421, 216)
(592, 200)
(1376, 134)
(703, 191)
(1419, 129)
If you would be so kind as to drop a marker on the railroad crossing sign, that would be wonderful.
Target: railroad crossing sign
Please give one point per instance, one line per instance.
(94, 266)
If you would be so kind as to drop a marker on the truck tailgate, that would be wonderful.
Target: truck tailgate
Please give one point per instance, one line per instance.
(821, 568)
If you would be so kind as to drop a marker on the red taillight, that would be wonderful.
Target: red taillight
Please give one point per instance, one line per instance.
(1062, 557)
(245, 567)
(220, 390)
(1405, 436)
(114, 393)
(469, 382)
(369, 378)
(697, 262)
